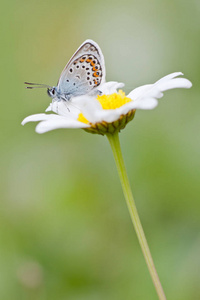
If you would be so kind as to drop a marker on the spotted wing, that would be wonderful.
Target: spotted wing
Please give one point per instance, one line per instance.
(84, 72)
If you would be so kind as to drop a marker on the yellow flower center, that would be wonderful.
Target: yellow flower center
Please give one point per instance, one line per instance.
(114, 100)
(82, 119)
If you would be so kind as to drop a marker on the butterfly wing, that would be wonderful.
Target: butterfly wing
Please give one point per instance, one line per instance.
(84, 72)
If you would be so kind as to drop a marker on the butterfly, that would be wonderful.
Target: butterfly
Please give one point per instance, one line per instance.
(82, 75)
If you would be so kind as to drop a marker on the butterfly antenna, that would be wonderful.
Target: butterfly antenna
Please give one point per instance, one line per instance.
(36, 85)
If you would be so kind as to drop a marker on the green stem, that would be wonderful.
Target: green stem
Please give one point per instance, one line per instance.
(115, 145)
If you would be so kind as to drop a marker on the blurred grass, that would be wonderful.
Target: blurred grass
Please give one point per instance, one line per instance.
(65, 232)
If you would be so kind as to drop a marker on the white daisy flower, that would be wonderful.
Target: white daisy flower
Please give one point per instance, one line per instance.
(105, 112)
(108, 112)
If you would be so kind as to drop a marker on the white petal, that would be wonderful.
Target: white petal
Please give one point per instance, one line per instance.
(155, 91)
(64, 108)
(110, 87)
(110, 115)
(169, 76)
(137, 92)
(39, 117)
(175, 83)
(88, 105)
(48, 108)
(145, 103)
(49, 125)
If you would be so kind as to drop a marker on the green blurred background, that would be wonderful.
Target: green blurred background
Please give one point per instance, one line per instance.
(65, 230)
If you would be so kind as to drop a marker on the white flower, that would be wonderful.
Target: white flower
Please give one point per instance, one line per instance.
(107, 112)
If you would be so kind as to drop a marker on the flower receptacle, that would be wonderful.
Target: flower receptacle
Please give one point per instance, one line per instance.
(103, 127)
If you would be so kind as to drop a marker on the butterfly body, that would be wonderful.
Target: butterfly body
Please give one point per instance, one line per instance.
(82, 75)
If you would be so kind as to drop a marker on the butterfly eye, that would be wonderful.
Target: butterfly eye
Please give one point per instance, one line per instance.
(51, 92)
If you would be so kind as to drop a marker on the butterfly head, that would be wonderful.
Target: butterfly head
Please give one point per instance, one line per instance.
(52, 92)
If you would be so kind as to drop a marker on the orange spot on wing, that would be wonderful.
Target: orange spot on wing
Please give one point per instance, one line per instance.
(95, 74)
(82, 60)
(89, 60)
(92, 63)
